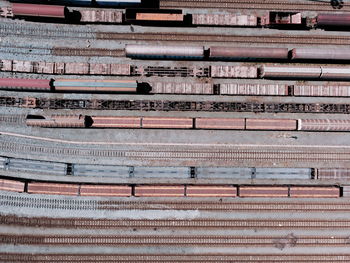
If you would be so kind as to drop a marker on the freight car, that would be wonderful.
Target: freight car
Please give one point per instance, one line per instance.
(100, 3)
(79, 121)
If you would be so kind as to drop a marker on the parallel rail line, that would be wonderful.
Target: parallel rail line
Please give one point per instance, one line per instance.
(289, 240)
(255, 4)
(234, 154)
(223, 205)
(83, 223)
(162, 258)
(22, 30)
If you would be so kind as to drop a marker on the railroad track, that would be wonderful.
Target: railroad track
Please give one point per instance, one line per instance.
(14, 200)
(162, 258)
(289, 240)
(272, 154)
(256, 5)
(35, 31)
(12, 119)
(82, 223)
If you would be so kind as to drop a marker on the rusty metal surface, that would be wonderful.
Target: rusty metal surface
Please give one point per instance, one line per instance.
(224, 20)
(211, 191)
(271, 124)
(167, 122)
(167, 191)
(55, 11)
(220, 123)
(263, 191)
(159, 17)
(11, 185)
(248, 52)
(31, 84)
(329, 19)
(105, 190)
(314, 192)
(116, 122)
(53, 189)
(323, 125)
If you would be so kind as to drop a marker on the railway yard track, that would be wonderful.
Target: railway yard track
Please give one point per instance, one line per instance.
(197, 258)
(82, 223)
(23, 30)
(256, 5)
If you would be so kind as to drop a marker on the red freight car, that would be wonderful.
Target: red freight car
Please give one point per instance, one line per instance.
(105, 190)
(115, 122)
(11, 185)
(167, 122)
(271, 124)
(211, 191)
(263, 191)
(34, 10)
(220, 123)
(160, 191)
(25, 84)
(314, 192)
(53, 189)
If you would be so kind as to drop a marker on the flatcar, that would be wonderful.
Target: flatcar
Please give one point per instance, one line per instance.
(154, 16)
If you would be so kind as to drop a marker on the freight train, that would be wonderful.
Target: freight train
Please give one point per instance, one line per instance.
(134, 87)
(84, 121)
(145, 16)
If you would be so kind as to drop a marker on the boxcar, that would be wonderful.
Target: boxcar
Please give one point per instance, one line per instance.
(211, 191)
(160, 191)
(105, 190)
(263, 191)
(220, 123)
(53, 189)
(271, 124)
(314, 192)
(11, 185)
(167, 122)
(254, 89)
(115, 122)
(57, 121)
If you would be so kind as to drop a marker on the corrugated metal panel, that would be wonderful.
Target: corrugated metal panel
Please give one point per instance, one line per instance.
(105, 190)
(11, 185)
(223, 172)
(224, 19)
(162, 172)
(314, 192)
(167, 122)
(34, 166)
(234, 72)
(323, 125)
(283, 173)
(271, 124)
(254, 89)
(116, 122)
(333, 174)
(322, 90)
(160, 191)
(101, 16)
(181, 88)
(155, 51)
(211, 191)
(53, 189)
(220, 123)
(101, 170)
